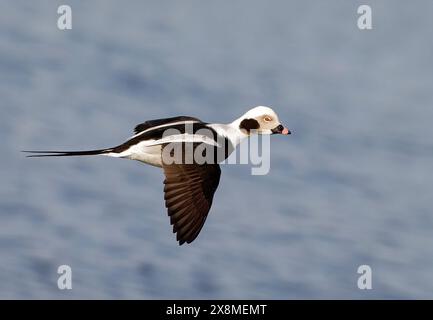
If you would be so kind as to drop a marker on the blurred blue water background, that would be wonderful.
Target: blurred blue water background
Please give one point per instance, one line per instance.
(352, 186)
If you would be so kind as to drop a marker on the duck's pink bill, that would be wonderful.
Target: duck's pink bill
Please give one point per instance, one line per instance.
(285, 131)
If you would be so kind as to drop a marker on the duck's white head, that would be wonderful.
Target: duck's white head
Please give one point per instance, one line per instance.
(262, 120)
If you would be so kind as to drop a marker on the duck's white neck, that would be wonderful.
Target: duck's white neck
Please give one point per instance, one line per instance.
(231, 131)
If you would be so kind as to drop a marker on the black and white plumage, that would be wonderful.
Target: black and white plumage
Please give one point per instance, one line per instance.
(189, 186)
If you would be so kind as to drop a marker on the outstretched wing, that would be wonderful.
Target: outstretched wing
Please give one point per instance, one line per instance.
(188, 194)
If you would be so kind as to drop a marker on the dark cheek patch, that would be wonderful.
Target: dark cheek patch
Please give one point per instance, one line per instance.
(249, 124)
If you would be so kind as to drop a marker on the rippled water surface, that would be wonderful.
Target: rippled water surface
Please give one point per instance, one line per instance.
(353, 184)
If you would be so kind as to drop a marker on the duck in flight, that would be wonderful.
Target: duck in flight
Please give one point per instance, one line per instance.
(190, 183)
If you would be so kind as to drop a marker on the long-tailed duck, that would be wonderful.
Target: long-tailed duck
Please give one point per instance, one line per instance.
(189, 184)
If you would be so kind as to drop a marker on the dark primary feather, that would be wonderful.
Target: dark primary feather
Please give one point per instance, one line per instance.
(188, 194)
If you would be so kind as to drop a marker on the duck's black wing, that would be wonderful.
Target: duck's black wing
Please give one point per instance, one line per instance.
(188, 194)
(159, 122)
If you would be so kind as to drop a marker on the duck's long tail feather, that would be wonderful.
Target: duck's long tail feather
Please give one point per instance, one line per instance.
(38, 154)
